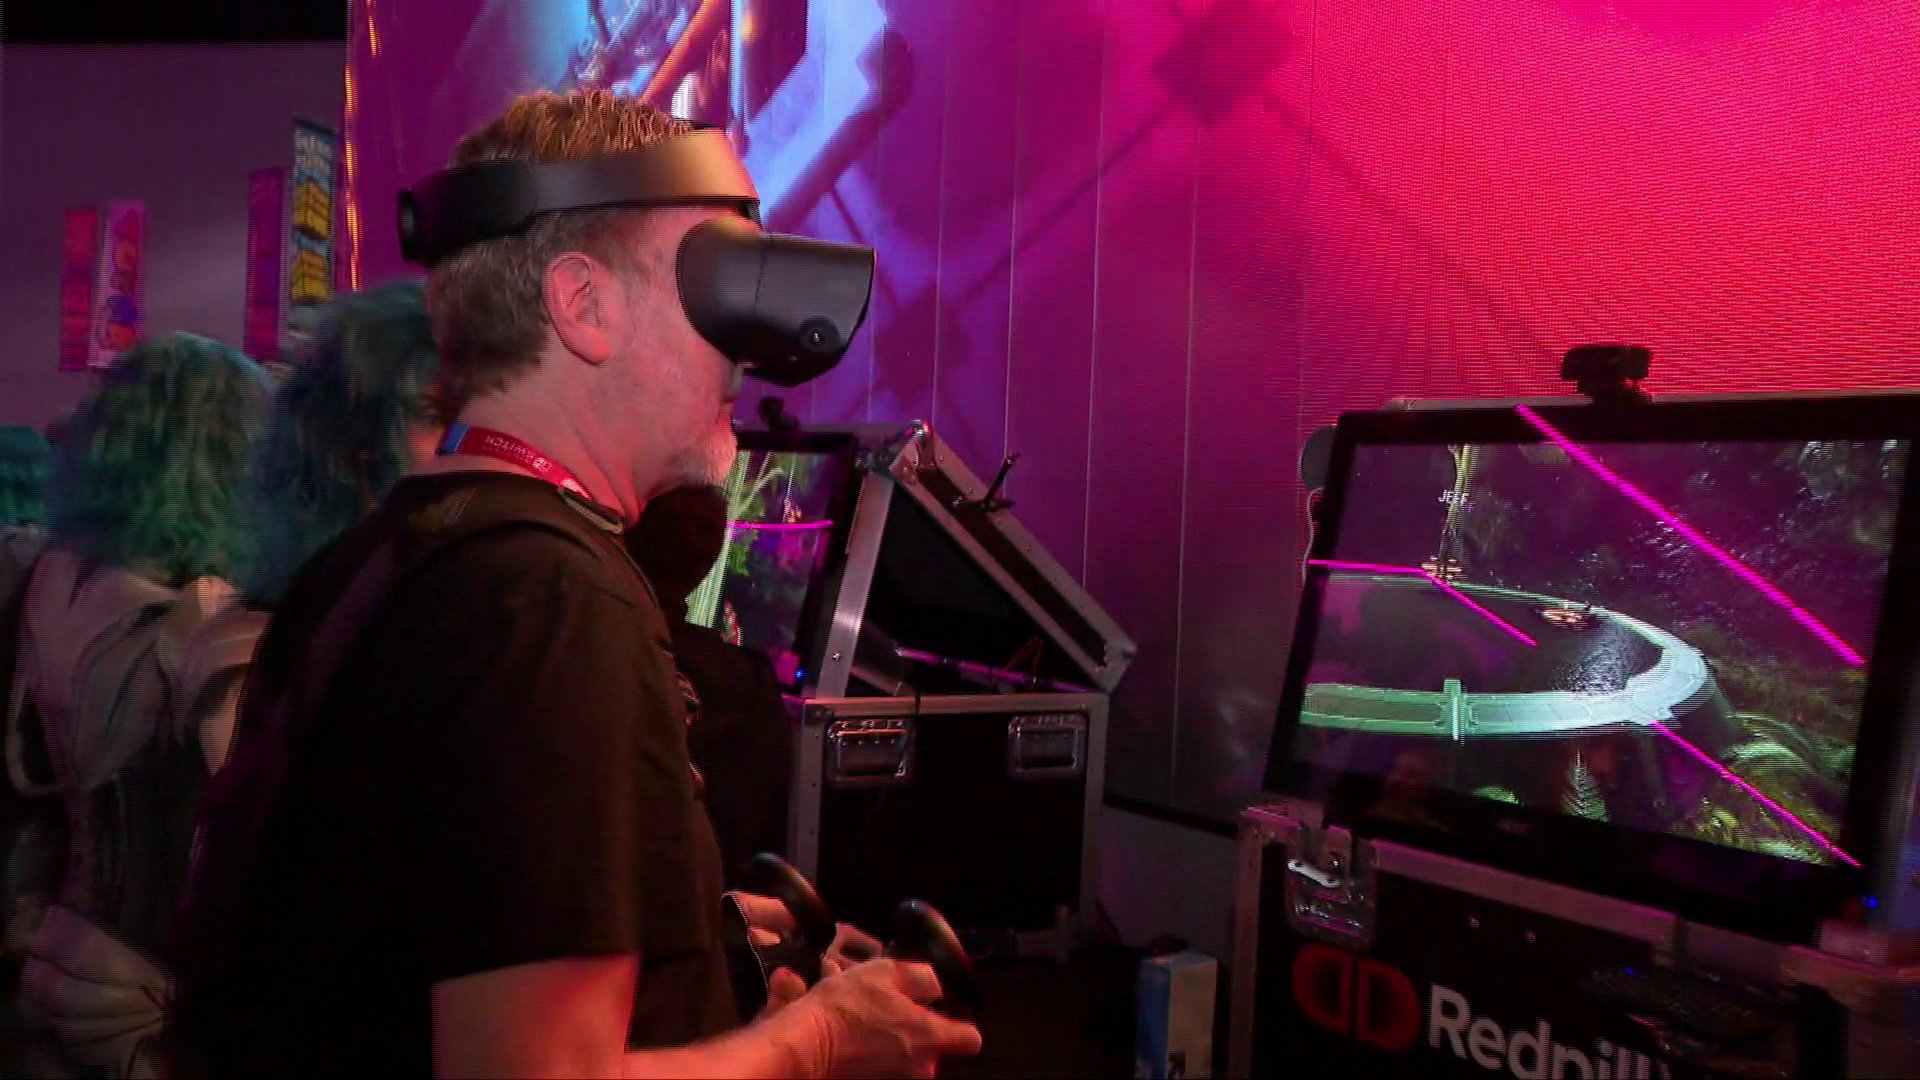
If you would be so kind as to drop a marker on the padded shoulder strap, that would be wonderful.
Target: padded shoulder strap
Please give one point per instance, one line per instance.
(27, 771)
(217, 653)
(94, 660)
(23, 744)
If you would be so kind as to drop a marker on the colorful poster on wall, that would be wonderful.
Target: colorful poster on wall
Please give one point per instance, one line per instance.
(266, 260)
(123, 242)
(79, 262)
(310, 229)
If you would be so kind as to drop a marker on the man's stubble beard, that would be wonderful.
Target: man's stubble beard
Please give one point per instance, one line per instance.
(709, 459)
(720, 456)
(708, 464)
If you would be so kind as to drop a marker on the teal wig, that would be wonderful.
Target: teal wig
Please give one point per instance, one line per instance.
(337, 439)
(148, 473)
(23, 476)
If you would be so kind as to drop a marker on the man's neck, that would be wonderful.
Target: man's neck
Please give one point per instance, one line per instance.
(555, 433)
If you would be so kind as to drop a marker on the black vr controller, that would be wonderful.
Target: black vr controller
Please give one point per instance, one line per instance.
(751, 965)
(918, 933)
(922, 934)
(783, 307)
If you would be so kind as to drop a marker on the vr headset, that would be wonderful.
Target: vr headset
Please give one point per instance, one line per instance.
(783, 307)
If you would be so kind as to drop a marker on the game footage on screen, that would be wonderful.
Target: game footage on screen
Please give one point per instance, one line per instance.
(1667, 637)
(778, 505)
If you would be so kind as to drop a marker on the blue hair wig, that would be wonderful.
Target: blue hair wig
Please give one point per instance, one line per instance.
(149, 470)
(337, 439)
(24, 455)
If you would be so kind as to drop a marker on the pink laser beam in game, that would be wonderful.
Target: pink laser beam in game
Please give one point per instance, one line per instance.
(1693, 536)
(1753, 793)
(1414, 571)
(1496, 620)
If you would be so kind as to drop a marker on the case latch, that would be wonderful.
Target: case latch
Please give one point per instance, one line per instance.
(1039, 747)
(1330, 887)
(869, 753)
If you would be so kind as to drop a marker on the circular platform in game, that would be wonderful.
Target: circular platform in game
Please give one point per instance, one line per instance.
(1490, 662)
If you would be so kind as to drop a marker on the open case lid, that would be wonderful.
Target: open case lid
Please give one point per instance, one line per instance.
(939, 591)
(1652, 651)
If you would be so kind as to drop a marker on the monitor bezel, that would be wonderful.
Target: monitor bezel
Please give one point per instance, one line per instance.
(1779, 898)
(811, 628)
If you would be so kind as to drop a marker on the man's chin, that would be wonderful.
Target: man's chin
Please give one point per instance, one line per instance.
(726, 446)
(708, 466)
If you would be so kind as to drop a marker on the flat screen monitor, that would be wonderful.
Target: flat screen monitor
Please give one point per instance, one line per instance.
(1629, 648)
(789, 503)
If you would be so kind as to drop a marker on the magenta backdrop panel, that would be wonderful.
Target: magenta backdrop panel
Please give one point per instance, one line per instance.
(1150, 245)
(79, 267)
(266, 261)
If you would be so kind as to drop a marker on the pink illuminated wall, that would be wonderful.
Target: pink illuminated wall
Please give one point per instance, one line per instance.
(176, 127)
(1151, 243)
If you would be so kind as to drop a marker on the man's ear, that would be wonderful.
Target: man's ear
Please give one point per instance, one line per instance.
(586, 305)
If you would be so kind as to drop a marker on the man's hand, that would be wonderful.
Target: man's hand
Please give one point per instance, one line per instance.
(783, 989)
(850, 947)
(768, 920)
(872, 1020)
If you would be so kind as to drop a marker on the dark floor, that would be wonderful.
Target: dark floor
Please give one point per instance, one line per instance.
(1055, 1021)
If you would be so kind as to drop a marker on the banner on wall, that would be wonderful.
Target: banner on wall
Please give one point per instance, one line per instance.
(310, 236)
(266, 259)
(79, 270)
(116, 321)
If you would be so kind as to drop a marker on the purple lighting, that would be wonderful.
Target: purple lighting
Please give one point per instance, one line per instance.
(1414, 571)
(1779, 811)
(774, 526)
(1693, 536)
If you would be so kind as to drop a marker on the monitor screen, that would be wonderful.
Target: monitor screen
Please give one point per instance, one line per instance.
(1669, 637)
(787, 499)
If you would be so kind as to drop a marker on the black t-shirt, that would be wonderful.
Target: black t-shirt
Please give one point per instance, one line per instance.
(741, 741)
(497, 776)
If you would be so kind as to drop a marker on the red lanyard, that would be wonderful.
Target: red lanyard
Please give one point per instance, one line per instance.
(486, 442)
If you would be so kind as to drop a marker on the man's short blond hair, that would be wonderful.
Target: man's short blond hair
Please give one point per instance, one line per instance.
(489, 316)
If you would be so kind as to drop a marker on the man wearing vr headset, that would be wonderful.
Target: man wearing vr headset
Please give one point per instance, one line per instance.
(460, 831)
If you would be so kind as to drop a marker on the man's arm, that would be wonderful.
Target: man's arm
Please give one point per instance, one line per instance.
(569, 1018)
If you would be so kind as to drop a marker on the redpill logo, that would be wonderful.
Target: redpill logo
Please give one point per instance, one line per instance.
(1362, 999)
(1377, 1006)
